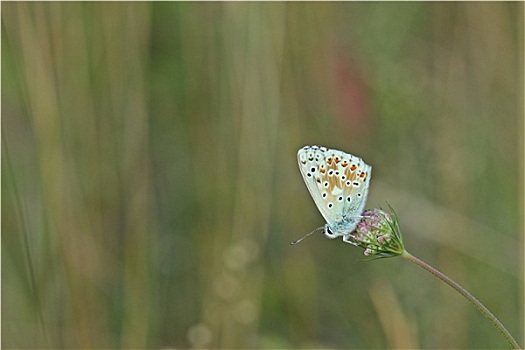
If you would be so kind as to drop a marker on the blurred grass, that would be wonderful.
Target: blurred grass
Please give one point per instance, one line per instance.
(151, 188)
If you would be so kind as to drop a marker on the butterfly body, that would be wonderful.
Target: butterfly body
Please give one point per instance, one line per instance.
(338, 183)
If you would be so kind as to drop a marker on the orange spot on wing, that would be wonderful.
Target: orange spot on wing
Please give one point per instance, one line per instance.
(353, 167)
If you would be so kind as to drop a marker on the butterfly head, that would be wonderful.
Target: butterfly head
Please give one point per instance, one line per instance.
(329, 233)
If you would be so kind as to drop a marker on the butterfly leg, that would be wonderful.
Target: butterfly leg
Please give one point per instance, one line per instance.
(359, 217)
(347, 238)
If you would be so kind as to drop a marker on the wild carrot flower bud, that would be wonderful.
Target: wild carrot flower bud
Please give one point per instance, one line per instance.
(379, 234)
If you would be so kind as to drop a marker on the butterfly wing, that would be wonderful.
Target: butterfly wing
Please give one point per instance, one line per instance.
(338, 183)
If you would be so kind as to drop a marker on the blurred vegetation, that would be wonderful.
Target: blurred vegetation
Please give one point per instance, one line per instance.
(150, 185)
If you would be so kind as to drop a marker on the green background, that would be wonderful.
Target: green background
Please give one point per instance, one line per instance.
(150, 186)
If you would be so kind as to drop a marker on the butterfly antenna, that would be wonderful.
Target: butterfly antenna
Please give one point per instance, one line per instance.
(308, 234)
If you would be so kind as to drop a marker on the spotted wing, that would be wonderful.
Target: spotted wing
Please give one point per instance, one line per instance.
(338, 183)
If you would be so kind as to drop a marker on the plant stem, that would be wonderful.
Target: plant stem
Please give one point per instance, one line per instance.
(467, 295)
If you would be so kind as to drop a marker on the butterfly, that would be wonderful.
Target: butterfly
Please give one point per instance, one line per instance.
(338, 183)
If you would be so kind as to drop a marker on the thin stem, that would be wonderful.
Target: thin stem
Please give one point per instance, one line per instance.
(467, 295)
